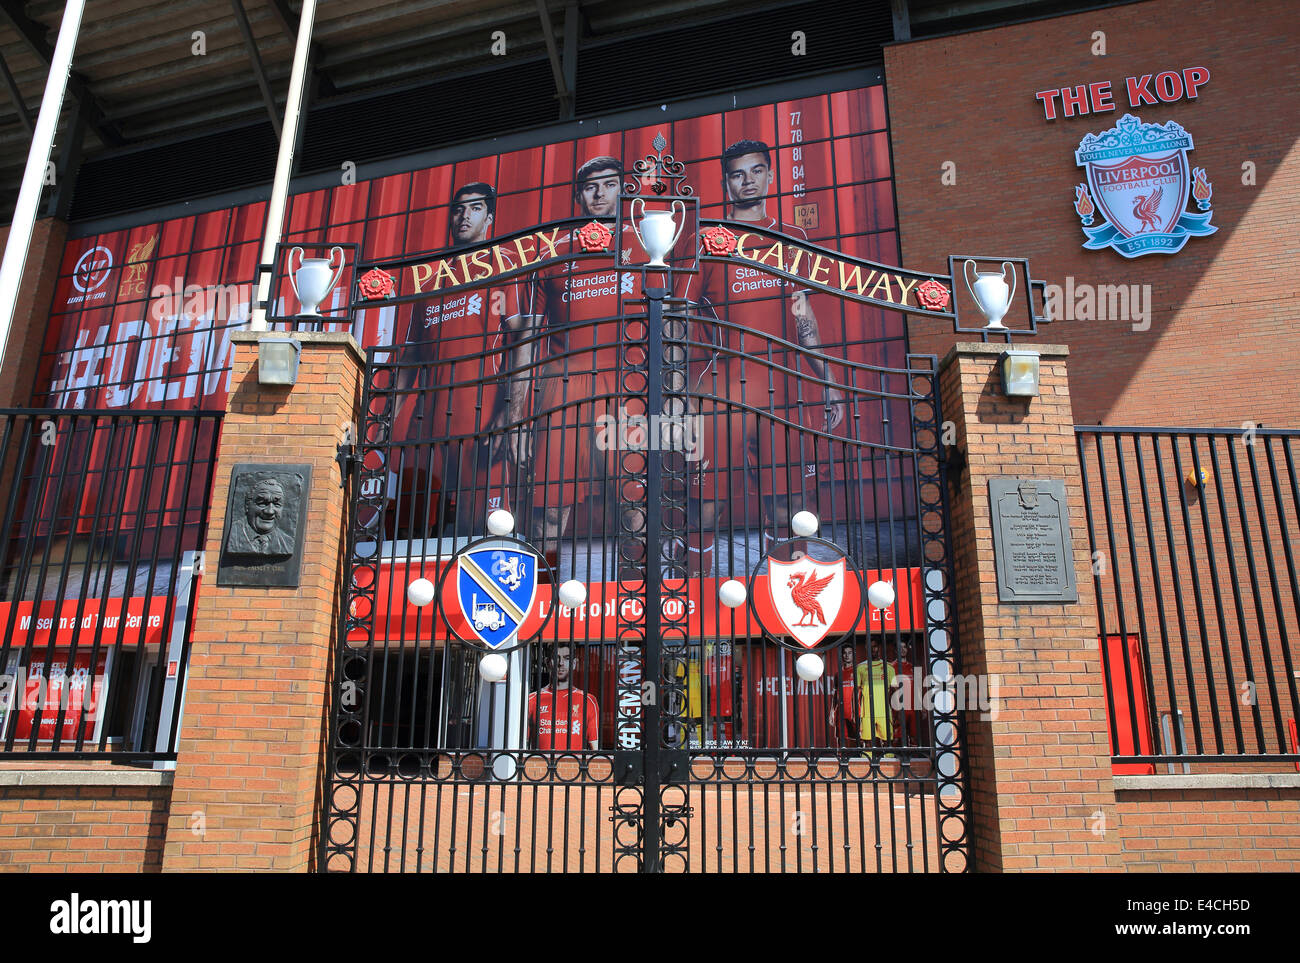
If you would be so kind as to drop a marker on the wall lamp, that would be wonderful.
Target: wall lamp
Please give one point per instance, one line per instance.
(1019, 373)
(277, 360)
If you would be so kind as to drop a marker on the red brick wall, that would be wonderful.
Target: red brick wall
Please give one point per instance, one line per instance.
(1218, 351)
(1040, 772)
(83, 829)
(31, 314)
(1210, 830)
(251, 750)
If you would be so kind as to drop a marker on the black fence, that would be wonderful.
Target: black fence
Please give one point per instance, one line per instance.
(102, 521)
(1191, 535)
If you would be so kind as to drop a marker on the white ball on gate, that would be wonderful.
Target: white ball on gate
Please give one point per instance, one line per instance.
(732, 593)
(493, 668)
(420, 592)
(881, 594)
(809, 666)
(572, 593)
(501, 522)
(804, 524)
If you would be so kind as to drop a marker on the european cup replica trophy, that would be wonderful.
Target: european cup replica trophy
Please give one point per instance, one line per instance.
(314, 279)
(657, 232)
(991, 292)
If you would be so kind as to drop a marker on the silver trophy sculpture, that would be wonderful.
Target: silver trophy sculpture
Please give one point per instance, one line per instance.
(991, 292)
(658, 232)
(314, 279)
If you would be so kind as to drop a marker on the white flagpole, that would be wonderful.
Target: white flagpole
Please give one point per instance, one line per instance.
(29, 195)
(284, 161)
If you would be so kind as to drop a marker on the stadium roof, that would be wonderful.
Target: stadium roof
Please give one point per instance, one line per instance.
(153, 78)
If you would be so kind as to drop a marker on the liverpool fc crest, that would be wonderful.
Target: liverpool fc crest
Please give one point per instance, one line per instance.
(807, 596)
(1139, 180)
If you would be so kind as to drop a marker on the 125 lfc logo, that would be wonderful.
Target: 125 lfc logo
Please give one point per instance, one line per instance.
(1139, 179)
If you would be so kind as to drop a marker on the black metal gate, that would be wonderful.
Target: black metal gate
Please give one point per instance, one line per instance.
(659, 455)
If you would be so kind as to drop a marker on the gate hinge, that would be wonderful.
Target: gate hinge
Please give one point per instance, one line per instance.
(628, 769)
(346, 457)
(674, 766)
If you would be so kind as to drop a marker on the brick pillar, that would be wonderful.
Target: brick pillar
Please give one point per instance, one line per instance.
(249, 764)
(1042, 796)
(32, 312)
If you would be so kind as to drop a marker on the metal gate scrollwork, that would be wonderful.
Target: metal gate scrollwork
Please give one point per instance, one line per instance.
(656, 444)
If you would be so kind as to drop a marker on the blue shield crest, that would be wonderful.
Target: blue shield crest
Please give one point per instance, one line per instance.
(1138, 180)
(495, 588)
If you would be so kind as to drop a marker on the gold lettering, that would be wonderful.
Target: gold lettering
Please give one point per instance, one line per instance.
(773, 254)
(854, 277)
(464, 268)
(445, 268)
(905, 289)
(552, 243)
(794, 265)
(480, 260)
(419, 274)
(525, 257)
(502, 265)
(884, 281)
(817, 267)
(740, 246)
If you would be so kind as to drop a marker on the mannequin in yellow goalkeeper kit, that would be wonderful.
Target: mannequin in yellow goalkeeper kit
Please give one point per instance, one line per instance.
(877, 681)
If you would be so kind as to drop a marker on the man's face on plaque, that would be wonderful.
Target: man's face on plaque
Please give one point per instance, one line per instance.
(263, 506)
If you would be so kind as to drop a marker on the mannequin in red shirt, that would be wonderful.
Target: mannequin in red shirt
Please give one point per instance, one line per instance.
(563, 716)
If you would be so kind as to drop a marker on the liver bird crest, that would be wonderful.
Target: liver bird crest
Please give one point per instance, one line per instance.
(804, 590)
(1145, 207)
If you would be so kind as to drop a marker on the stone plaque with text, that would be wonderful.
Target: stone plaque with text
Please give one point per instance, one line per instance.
(1031, 540)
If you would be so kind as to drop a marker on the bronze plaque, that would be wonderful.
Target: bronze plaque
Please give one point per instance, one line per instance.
(1031, 540)
(265, 517)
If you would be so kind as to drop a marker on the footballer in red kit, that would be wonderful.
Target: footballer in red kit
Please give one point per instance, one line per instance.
(456, 348)
(570, 323)
(562, 716)
(764, 308)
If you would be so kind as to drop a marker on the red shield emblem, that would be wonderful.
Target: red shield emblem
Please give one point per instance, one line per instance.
(807, 596)
(1141, 195)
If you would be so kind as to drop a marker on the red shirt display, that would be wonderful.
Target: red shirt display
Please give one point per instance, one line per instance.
(567, 719)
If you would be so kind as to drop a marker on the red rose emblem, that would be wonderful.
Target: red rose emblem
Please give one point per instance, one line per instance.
(594, 237)
(718, 241)
(932, 295)
(376, 284)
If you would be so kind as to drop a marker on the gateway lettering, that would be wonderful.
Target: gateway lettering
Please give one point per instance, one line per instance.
(826, 271)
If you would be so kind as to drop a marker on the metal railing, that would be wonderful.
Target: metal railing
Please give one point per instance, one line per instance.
(102, 521)
(1191, 531)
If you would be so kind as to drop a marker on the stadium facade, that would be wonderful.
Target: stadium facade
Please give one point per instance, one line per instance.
(848, 437)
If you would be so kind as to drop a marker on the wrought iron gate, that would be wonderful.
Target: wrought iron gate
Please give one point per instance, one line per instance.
(651, 454)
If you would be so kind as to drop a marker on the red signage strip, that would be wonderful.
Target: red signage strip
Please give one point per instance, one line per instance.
(597, 621)
(58, 623)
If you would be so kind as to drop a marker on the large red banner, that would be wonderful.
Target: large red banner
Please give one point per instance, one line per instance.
(597, 620)
(142, 316)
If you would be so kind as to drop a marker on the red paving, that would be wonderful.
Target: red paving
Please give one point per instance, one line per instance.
(564, 822)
